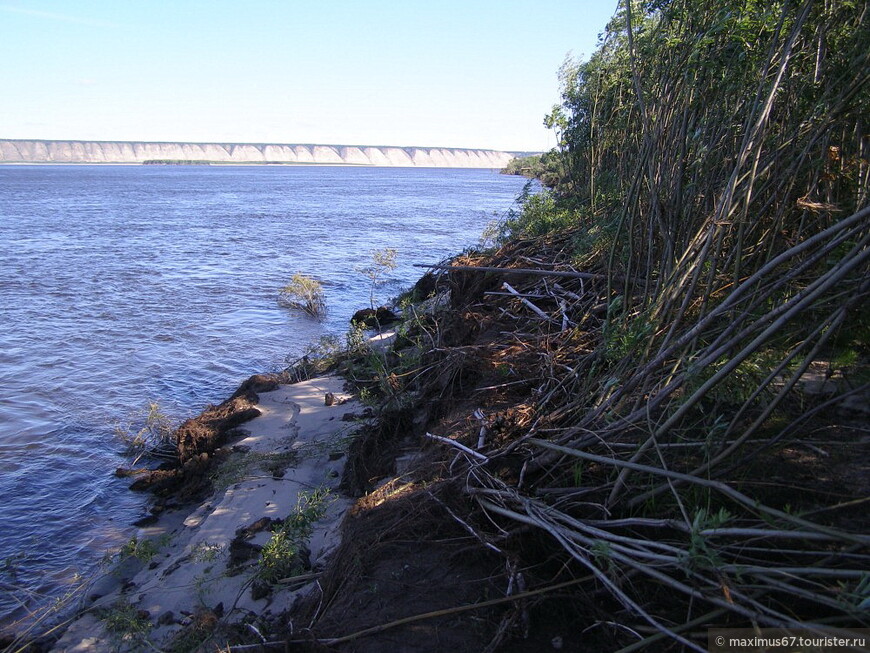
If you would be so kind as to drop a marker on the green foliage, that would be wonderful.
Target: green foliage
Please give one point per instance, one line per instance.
(318, 358)
(382, 375)
(125, 622)
(700, 554)
(355, 339)
(649, 135)
(713, 171)
(624, 337)
(857, 598)
(382, 262)
(327, 348)
(177, 162)
(242, 466)
(281, 556)
(602, 553)
(142, 550)
(526, 166)
(537, 214)
(305, 294)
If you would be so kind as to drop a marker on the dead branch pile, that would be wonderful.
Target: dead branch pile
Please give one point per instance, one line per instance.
(654, 395)
(645, 445)
(679, 408)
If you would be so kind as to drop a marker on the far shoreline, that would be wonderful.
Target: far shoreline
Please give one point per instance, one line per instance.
(182, 153)
(231, 164)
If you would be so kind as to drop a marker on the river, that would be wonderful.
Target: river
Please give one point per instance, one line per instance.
(123, 285)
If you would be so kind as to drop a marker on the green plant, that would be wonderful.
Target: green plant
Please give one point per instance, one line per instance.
(327, 349)
(338, 442)
(490, 237)
(383, 261)
(714, 164)
(623, 337)
(207, 552)
(125, 622)
(857, 599)
(201, 583)
(142, 550)
(700, 553)
(602, 553)
(305, 294)
(355, 339)
(150, 436)
(246, 465)
(281, 556)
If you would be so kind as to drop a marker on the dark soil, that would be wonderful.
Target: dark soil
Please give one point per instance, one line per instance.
(401, 558)
(186, 479)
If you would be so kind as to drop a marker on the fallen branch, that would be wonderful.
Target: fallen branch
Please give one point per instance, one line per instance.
(728, 491)
(454, 443)
(537, 311)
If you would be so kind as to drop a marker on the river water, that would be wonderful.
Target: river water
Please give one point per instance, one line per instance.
(121, 285)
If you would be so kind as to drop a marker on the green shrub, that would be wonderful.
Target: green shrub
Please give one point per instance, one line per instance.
(539, 214)
(305, 294)
(125, 622)
(280, 556)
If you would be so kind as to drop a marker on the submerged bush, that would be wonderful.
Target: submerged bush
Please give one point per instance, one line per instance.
(305, 294)
(151, 436)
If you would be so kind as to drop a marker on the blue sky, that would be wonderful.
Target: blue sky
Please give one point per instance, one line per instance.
(452, 73)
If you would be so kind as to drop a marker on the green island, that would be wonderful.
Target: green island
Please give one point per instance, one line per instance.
(637, 413)
(176, 162)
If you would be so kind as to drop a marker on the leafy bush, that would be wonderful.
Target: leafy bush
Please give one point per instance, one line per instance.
(305, 294)
(125, 622)
(538, 214)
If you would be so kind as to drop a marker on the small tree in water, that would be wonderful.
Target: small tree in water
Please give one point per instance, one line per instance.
(383, 260)
(305, 294)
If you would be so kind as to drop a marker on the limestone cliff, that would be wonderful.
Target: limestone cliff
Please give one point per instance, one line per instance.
(38, 151)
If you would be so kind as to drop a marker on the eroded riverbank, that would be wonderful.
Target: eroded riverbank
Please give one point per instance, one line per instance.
(189, 571)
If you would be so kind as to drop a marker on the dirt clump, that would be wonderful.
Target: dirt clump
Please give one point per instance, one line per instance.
(186, 477)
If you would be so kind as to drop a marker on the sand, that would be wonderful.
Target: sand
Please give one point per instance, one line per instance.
(188, 576)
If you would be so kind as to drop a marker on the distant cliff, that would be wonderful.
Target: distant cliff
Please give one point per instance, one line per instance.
(36, 151)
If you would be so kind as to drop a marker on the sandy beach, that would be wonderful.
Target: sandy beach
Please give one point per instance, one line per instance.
(203, 564)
